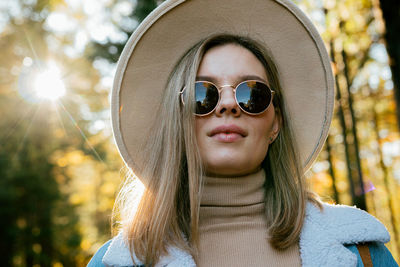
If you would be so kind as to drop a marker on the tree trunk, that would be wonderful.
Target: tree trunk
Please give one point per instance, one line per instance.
(386, 180)
(331, 170)
(360, 200)
(344, 131)
(391, 16)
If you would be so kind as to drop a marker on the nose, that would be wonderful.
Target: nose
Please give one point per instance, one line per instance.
(227, 104)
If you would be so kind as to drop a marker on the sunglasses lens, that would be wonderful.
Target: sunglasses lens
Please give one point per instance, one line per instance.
(253, 97)
(206, 96)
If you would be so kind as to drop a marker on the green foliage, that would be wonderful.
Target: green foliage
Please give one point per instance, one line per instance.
(31, 200)
(143, 8)
(111, 50)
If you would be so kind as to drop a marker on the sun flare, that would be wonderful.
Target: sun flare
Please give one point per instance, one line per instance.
(48, 84)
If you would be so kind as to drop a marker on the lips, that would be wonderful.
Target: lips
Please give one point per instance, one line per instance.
(229, 129)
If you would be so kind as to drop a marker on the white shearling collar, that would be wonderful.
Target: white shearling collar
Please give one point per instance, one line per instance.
(324, 234)
(118, 255)
(322, 239)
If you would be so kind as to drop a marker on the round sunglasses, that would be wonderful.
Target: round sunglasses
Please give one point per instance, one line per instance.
(253, 97)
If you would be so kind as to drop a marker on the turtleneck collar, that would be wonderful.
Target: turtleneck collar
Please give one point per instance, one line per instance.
(232, 224)
(233, 191)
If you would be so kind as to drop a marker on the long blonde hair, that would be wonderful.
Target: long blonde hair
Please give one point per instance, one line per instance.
(168, 211)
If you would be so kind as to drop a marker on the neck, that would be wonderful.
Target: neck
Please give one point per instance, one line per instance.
(234, 191)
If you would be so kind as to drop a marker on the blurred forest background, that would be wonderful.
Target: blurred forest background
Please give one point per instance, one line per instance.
(60, 170)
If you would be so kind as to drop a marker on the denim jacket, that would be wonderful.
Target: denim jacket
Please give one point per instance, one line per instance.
(328, 238)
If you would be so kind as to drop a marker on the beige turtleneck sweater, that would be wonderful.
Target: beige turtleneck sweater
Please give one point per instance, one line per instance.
(232, 225)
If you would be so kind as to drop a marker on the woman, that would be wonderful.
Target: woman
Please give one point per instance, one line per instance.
(235, 128)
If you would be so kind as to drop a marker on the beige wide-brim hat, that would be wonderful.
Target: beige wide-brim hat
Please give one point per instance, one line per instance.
(176, 25)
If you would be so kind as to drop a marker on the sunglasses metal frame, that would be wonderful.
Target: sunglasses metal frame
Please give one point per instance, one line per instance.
(234, 88)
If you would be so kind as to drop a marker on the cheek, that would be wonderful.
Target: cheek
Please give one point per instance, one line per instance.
(206, 151)
(263, 130)
(263, 127)
(260, 144)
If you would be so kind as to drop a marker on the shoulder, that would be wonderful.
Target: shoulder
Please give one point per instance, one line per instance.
(114, 252)
(380, 255)
(326, 232)
(96, 260)
(348, 224)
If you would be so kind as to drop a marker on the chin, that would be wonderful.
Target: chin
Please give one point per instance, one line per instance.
(230, 162)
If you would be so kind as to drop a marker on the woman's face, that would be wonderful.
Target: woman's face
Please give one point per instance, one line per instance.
(232, 142)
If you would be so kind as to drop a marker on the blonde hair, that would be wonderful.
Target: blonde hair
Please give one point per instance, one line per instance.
(168, 211)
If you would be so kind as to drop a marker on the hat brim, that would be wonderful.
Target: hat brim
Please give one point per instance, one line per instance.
(175, 26)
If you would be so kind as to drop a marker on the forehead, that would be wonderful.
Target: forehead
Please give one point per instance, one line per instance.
(230, 62)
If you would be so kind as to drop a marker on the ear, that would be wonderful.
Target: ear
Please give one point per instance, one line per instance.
(276, 127)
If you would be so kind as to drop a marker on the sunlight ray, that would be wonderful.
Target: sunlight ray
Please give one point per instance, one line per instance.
(82, 133)
(22, 143)
(59, 118)
(11, 129)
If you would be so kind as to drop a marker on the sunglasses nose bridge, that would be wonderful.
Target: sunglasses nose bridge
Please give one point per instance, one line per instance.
(227, 101)
(226, 85)
(233, 90)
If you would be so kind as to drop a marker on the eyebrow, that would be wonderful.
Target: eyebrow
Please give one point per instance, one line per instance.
(238, 80)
